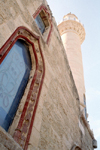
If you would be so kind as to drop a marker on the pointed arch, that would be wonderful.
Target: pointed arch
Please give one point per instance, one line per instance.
(47, 17)
(23, 130)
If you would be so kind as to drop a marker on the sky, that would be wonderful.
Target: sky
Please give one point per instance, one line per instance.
(88, 12)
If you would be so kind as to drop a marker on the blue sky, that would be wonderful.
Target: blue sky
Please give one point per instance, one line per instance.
(88, 12)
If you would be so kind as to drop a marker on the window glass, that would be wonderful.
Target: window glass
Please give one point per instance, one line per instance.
(14, 74)
(85, 108)
(40, 23)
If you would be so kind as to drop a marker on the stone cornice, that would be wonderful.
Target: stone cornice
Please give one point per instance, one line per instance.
(72, 26)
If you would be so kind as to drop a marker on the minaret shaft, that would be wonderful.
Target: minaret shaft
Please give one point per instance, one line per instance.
(72, 33)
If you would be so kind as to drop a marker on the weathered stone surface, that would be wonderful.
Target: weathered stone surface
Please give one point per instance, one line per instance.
(7, 142)
(2, 147)
(56, 124)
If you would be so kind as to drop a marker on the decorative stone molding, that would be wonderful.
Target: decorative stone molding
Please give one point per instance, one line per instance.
(7, 142)
(72, 26)
(49, 16)
(24, 127)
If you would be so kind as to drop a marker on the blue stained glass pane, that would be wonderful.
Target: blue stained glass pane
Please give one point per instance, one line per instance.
(40, 24)
(14, 74)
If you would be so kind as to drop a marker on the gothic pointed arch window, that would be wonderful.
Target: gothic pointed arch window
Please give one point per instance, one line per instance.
(43, 20)
(14, 75)
(22, 71)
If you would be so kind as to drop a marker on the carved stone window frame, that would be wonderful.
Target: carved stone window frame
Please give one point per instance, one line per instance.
(47, 33)
(25, 114)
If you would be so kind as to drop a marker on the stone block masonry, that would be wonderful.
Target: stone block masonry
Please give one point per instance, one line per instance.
(57, 123)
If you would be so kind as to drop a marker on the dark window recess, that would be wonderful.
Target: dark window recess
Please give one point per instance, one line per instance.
(42, 21)
(14, 75)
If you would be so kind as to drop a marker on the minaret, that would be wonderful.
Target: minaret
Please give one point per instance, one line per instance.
(73, 34)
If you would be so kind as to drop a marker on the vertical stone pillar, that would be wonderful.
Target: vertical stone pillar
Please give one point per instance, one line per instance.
(73, 34)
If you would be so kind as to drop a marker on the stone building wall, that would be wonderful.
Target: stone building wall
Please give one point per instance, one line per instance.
(56, 124)
(88, 134)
